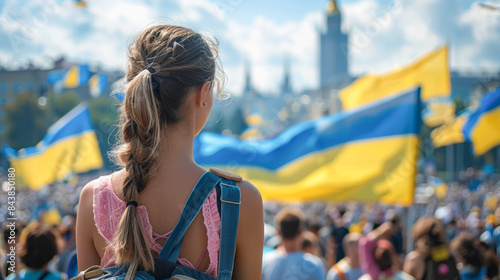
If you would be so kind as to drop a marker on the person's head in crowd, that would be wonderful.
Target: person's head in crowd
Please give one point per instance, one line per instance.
(392, 217)
(490, 260)
(39, 247)
(351, 248)
(339, 219)
(67, 229)
(467, 251)
(362, 220)
(384, 254)
(428, 232)
(452, 224)
(310, 243)
(314, 227)
(290, 223)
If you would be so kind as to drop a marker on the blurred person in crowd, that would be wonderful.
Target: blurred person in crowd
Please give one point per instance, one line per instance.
(288, 260)
(488, 234)
(397, 237)
(451, 229)
(349, 267)
(431, 258)
(67, 231)
(378, 258)
(490, 261)
(496, 233)
(36, 252)
(339, 231)
(314, 227)
(471, 261)
(324, 234)
(310, 244)
(473, 178)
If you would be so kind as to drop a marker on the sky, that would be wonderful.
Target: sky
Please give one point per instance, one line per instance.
(384, 34)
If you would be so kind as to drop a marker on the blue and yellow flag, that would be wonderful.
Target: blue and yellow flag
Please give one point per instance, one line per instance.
(438, 111)
(70, 145)
(81, 3)
(483, 126)
(367, 154)
(451, 132)
(254, 123)
(431, 73)
(98, 84)
(76, 76)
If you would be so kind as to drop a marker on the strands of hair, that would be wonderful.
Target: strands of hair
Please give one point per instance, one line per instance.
(165, 64)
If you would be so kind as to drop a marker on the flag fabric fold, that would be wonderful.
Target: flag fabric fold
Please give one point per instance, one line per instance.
(367, 154)
(70, 146)
(451, 132)
(76, 76)
(431, 73)
(98, 83)
(483, 125)
(72, 77)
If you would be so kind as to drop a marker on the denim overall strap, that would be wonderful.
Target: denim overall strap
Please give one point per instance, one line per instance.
(230, 213)
(200, 193)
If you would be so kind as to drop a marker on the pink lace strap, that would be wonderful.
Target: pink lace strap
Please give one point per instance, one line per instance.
(157, 236)
(201, 257)
(108, 209)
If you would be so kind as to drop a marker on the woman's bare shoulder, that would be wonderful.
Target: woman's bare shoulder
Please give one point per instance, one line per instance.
(250, 195)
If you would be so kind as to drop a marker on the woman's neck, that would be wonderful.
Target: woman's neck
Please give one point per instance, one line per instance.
(176, 148)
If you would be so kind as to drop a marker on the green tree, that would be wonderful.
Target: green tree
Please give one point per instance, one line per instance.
(235, 121)
(25, 122)
(62, 103)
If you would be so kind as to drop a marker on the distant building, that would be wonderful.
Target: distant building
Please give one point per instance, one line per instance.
(34, 81)
(20, 81)
(471, 86)
(334, 55)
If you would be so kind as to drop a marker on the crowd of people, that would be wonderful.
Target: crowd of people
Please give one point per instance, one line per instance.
(339, 251)
(457, 237)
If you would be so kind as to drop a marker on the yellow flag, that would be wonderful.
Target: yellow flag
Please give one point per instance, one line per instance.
(70, 146)
(483, 126)
(438, 111)
(450, 132)
(431, 73)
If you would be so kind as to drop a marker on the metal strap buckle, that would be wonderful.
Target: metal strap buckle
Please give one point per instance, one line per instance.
(229, 201)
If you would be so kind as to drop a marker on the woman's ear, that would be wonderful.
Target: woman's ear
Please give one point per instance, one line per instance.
(202, 94)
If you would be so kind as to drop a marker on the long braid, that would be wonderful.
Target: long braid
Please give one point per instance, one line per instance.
(141, 133)
(165, 64)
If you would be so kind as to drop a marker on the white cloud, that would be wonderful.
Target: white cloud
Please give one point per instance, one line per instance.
(382, 35)
(405, 30)
(267, 44)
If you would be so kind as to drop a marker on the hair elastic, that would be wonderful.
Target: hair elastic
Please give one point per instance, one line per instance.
(151, 70)
(132, 202)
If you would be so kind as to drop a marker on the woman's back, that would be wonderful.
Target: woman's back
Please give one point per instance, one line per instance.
(202, 239)
(169, 82)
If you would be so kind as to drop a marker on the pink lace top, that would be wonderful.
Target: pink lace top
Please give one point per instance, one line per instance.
(108, 209)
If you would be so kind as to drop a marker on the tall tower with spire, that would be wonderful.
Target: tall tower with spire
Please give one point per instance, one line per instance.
(248, 79)
(286, 87)
(333, 50)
